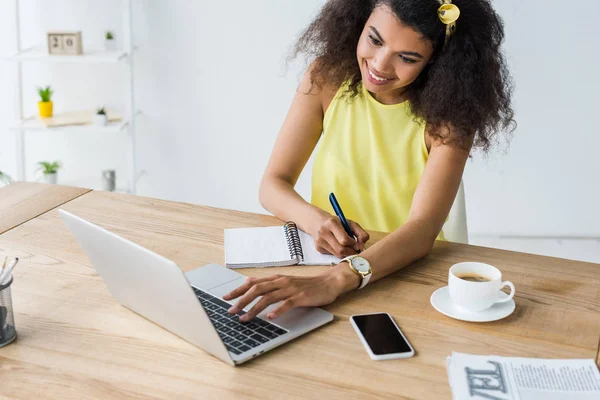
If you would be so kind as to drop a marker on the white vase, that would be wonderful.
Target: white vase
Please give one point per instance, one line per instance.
(110, 44)
(109, 180)
(100, 119)
(51, 178)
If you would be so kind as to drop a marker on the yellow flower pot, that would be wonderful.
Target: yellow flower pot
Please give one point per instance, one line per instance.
(45, 108)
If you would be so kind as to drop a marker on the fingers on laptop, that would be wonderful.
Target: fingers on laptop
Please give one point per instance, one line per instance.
(272, 289)
(250, 281)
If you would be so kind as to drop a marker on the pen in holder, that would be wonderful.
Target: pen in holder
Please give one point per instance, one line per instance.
(8, 332)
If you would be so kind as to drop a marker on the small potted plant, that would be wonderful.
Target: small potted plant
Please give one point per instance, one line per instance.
(100, 118)
(50, 170)
(109, 41)
(45, 103)
(5, 179)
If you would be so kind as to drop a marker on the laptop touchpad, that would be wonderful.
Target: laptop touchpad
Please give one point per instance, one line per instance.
(218, 281)
(212, 276)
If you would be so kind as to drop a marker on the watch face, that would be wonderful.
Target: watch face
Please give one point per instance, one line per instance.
(361, 265)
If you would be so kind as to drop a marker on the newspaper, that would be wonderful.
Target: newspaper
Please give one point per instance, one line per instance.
(511, 378)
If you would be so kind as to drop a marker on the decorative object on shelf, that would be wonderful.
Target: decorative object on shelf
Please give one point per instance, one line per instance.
(65, 43)
(45, 103)
(5, 179)
(50, 170)
(109, 180)
(110, 44)
(100, 118)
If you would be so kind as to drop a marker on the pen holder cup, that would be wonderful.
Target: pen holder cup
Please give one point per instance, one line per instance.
(8, 332)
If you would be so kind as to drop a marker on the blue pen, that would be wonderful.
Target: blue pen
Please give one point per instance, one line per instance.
(340, 214)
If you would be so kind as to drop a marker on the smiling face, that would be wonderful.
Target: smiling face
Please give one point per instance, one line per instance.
(391, 55)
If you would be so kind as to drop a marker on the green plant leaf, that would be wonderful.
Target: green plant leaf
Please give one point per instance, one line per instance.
(48, 167)
(45, 93)
(5, 179)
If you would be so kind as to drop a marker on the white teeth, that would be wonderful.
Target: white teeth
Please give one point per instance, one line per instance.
(376, 77)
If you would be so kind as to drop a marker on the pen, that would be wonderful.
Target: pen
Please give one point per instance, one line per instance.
(340, 214)
(2, 269)
(6, 272)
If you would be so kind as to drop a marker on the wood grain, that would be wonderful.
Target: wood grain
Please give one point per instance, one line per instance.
(76, 340)
(22, 201)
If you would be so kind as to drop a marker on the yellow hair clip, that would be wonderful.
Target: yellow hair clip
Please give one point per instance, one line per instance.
(448, 14)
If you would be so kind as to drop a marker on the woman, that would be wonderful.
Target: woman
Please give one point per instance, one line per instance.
(398, 94)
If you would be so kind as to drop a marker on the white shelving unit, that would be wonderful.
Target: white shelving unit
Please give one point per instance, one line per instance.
(127, 125)
(93, 57)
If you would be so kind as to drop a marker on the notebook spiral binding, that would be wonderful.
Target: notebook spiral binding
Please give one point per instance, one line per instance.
(293, 241)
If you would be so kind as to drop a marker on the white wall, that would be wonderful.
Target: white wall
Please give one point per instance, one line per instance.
(212, 83)
(219, 71)
(547, 184)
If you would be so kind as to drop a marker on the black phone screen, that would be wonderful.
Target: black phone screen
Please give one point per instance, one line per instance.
(381, 334)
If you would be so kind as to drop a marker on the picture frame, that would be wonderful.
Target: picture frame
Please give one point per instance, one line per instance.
(65, 43)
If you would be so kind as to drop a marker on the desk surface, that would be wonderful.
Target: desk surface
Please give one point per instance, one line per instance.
(20, 201)
(74, 338)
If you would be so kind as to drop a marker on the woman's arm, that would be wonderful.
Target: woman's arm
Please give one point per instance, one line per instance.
(297, 139)
(431, 204)
(294, 145)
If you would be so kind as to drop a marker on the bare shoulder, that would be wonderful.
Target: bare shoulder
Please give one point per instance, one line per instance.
(432, 141)
(323, 93)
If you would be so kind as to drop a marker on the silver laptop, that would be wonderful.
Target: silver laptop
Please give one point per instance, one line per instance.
(189, 305)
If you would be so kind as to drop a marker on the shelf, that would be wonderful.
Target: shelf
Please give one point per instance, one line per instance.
(74, 121)
(33, 124)
(89, 183)
(89, 57)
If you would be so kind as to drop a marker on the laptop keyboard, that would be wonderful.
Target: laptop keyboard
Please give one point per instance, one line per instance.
(237, 336)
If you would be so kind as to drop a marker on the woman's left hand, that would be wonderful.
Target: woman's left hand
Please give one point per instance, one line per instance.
(292, 291)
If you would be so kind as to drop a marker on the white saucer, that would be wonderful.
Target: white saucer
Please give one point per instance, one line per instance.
(440, 300)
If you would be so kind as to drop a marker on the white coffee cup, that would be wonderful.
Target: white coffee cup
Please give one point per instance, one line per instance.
(476, 286)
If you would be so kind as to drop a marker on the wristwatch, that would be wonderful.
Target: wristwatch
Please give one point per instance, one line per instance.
(361, 267)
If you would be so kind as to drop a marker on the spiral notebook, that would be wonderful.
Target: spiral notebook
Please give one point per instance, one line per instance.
(274, 246)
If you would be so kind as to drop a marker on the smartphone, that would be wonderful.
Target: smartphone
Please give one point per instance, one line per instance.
(381, 337)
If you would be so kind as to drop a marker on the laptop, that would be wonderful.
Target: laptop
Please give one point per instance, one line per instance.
(190, 305)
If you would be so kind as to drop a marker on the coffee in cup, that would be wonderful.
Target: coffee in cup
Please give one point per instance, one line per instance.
(474, 277)
(476, 286)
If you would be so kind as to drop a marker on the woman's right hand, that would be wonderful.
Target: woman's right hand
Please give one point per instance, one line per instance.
(331, 238)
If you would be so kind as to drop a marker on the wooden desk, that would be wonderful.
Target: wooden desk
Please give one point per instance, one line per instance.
(22, 201)
(74, 339)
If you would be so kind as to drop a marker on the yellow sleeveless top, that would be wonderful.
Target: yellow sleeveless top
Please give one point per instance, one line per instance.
(372, 156)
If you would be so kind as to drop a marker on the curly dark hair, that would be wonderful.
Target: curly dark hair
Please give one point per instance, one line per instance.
(467, 85)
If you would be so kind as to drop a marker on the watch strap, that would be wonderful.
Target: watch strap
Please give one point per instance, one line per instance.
(365, 280)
